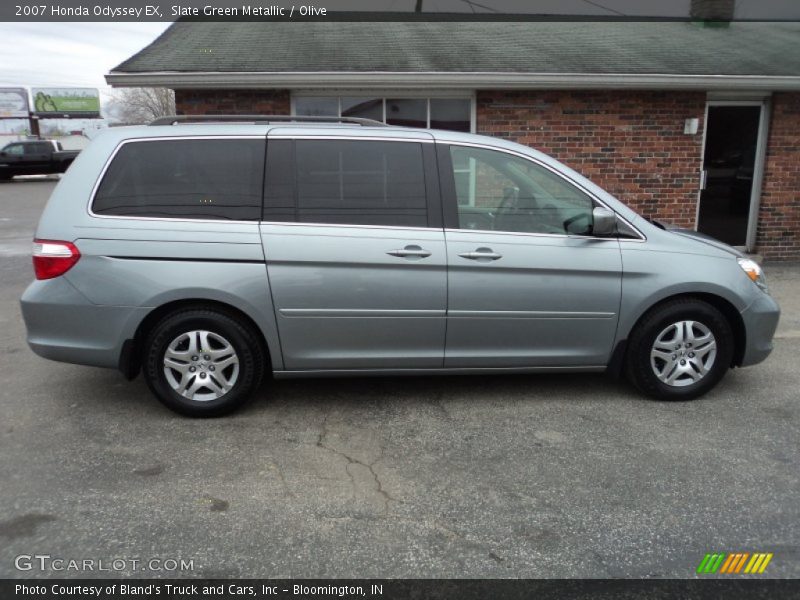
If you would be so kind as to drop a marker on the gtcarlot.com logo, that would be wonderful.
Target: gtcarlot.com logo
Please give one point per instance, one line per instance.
(46, 562)
(734, 563)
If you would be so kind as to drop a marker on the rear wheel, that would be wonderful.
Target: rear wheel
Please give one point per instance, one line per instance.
(202, 363)
(680, 350)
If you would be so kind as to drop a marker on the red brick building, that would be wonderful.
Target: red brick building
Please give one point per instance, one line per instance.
(690, 122)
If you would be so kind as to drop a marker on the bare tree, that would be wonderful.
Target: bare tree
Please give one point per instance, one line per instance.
(141, 105)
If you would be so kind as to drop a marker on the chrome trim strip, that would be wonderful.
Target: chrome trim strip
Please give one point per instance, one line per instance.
(170, 138)
(527, 314)
(557, 173)
(346, 313)
(346, 225)
(349, 137)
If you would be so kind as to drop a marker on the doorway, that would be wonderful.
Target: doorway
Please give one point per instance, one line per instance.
(730, 182)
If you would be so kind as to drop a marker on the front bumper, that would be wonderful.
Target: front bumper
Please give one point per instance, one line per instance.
(760, 321)
(64, 325)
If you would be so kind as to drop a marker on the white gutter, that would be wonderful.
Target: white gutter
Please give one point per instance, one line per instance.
(456, 81)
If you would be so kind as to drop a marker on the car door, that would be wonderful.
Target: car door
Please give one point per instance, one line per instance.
(38, 157)
(11, 158)
(355, 251)
(528, 285)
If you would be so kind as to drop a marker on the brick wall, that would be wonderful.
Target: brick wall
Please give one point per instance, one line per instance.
(778, 234)
(630, 143)
(231, 102)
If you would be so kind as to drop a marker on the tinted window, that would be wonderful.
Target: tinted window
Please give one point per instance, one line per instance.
(452, 114)
(408, 112)
(38, 148)
(365, 108)
(198, 179)
(501, 192)
(15, 149)
(361, 183)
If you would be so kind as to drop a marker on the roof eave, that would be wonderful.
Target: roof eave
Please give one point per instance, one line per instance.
(449, 80)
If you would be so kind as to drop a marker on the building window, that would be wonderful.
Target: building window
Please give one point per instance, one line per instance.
(454, 114)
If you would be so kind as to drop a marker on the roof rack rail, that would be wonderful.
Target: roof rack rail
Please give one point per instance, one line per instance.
(178, 119)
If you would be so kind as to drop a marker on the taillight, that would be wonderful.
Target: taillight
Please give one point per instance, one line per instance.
(52, 258)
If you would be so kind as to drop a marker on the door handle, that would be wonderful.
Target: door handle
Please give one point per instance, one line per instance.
(703, 179)
(482, 254)
(411, 251)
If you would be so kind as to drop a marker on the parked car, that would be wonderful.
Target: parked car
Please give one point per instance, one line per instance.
(209, 254)
(38, 157)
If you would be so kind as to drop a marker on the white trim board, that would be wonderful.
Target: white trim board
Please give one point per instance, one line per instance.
(450, 80)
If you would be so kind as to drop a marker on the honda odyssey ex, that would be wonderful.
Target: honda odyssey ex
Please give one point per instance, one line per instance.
(207, 254)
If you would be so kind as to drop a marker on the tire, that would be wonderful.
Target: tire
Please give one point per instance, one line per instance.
(677, 331)
(207, 344)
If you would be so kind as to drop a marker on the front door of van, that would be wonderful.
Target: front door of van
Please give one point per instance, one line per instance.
(528, 285)
(355, 253)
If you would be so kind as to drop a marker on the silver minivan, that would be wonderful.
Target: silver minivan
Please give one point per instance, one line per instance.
(206, 254)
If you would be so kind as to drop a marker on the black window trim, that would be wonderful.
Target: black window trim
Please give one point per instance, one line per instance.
(122, 143)
(433, 194)
(450, 201)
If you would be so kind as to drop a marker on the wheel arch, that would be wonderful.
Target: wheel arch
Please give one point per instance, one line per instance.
(728, 310)
(130, 362)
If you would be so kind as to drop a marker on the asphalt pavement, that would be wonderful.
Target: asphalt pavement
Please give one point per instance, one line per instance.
(485, 476)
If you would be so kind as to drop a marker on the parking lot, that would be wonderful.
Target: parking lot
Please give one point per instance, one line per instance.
(495, 476)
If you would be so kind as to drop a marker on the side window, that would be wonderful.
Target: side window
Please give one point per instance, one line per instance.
(497, 191)
(38, 148)
(14, 149)
(192, 179)
(360, 183)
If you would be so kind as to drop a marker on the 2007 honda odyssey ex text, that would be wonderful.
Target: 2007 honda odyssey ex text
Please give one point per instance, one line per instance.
(208, 253)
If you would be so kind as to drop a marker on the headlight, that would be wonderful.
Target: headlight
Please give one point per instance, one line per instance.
(754, 272)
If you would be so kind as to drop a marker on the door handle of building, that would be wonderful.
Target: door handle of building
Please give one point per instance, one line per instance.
(703, 179)
(481, 254)
(411, 251)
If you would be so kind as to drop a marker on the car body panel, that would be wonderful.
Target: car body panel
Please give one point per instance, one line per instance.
(342, 300)
(549, 300)
(330, 300)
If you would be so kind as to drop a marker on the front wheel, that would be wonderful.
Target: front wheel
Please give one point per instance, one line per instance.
(680, 350)
(202, 363)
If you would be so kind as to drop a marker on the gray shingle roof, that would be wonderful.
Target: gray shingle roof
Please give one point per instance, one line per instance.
(683, 48)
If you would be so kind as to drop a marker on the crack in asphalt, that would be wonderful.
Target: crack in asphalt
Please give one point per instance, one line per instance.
(387, 498)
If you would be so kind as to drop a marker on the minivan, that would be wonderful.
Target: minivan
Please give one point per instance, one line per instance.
(207, 252)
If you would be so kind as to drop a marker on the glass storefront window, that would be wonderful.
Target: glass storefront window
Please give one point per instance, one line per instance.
(363, 108)
(408, 112)
(451, 113)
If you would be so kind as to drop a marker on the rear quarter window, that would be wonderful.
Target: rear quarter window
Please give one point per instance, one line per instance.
(217, 179)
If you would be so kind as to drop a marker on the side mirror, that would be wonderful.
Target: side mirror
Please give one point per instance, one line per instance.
(604, 221)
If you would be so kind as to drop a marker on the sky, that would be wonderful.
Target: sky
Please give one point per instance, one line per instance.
(68, 54)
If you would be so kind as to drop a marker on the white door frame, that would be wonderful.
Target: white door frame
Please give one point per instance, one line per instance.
(758, 166)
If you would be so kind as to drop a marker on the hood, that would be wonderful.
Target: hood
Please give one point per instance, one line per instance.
(700, 237)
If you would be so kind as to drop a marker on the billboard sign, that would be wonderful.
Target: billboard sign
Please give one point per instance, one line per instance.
(66, 102)
(13, 103)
